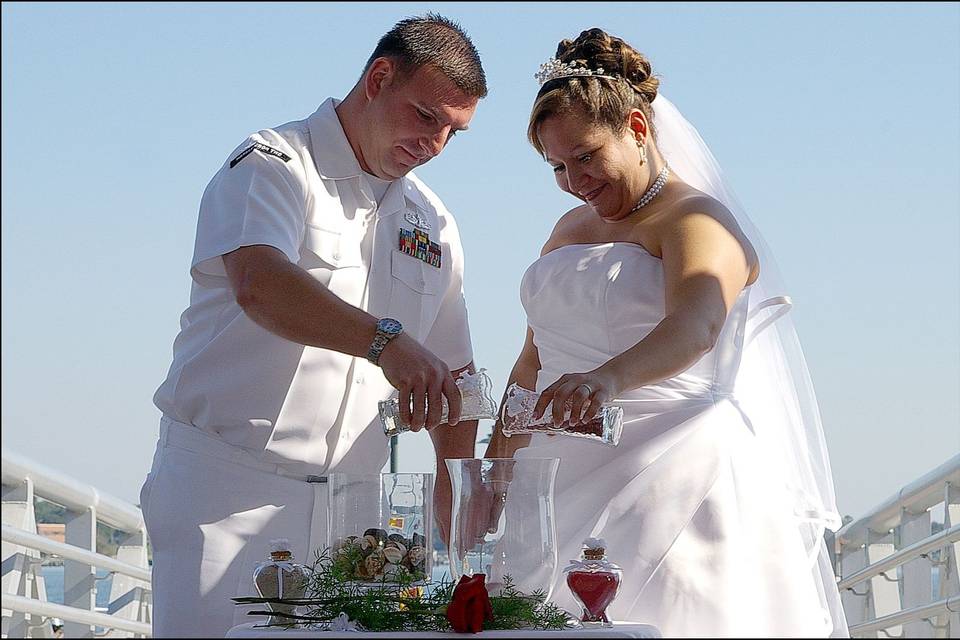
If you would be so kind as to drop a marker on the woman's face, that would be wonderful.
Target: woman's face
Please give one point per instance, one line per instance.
(593, 163)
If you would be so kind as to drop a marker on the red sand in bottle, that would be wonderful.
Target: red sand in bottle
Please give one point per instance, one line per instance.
(595, 590)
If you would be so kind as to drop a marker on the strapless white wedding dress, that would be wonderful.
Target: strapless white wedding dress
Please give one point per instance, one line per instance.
(688, 502)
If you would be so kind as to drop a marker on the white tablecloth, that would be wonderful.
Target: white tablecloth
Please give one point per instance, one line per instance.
(618, 630)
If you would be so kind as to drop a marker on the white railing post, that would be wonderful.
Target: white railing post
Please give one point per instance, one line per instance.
(855, 600)
(876, 596)
(884, 596)
(917, 586)
(129, 597)
(948, 626)
(21, 566)
(79, 578)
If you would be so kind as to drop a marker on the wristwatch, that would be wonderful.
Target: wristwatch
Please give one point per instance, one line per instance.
(387, 330)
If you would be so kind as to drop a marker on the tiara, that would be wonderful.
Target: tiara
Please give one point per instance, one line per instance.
(553, 69)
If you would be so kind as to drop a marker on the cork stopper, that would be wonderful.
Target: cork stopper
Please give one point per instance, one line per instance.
(594, 548)
(280, 549)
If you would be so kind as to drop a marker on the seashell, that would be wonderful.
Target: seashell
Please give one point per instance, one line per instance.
(361, 571)
(374, 563)
(368, 543)
(392, 571)
(397, 545)
(415, 558)
(397, 537)
(393, 554)
(418, 541)
(379, 535)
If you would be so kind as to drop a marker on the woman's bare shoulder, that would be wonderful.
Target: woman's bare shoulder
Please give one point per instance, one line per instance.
(693, 209)
(569, 229)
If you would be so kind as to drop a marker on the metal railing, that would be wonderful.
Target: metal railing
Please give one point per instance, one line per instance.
(897, 565)
(26, 611)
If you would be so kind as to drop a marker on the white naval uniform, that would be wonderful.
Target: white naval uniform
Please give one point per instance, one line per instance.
(252, 421)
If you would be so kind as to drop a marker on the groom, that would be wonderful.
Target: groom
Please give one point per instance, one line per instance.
(325, 278)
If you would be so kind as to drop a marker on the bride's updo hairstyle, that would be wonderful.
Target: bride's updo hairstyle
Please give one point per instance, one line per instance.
(626, 82)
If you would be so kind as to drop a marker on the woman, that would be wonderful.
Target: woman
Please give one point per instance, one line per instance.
(657, 294)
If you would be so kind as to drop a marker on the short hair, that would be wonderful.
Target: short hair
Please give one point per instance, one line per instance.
(434, 40)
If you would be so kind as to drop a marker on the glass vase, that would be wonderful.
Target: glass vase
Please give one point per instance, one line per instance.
(503, 522)
(380, 526)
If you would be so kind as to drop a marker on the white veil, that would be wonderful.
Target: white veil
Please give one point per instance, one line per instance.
(773, 386)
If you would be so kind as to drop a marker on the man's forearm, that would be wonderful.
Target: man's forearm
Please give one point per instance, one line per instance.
(292, 304)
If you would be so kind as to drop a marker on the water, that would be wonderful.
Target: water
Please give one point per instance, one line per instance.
(53, 578)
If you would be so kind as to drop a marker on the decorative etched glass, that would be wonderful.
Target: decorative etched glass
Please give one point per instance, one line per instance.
(380, 526)
(516, 416)
(503, 521)
(478, 403)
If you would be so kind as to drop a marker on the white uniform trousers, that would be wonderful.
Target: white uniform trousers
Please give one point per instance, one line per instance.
(211, 510)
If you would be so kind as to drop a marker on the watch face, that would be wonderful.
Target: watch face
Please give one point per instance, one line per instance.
(390, 326)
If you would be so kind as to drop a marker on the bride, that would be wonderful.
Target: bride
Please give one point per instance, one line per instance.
(657, 294)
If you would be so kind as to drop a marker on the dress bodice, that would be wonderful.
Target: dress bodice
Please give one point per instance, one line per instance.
(587, 303)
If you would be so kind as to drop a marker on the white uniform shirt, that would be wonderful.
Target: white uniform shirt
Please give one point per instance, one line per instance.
(299, 188)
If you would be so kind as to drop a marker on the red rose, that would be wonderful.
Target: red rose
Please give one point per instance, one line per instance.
(470, 605)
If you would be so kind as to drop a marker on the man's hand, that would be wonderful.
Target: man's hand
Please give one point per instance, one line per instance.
(422, 379)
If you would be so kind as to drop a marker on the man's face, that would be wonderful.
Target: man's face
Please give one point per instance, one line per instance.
(410, 117)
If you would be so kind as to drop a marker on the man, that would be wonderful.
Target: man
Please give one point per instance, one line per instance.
(325, 277)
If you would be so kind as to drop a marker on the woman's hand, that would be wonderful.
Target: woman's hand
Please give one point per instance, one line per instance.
(580, 393)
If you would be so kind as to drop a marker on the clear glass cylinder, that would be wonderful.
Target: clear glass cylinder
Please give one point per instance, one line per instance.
(380, 526)
(516, 416)
(478, 404)
(281, 577)
(503, 521)
(594, 582)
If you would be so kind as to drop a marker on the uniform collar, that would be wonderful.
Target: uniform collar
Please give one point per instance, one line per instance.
(402, 192)
(335, 159)
(332, 152)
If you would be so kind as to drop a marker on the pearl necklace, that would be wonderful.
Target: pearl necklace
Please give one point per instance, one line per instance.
(653, 190)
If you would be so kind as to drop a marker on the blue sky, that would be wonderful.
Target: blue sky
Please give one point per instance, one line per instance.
(836, 123)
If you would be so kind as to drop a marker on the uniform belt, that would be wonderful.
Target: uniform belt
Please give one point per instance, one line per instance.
(191, 438)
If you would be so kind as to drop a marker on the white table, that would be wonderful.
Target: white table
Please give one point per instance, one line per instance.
(618, 630)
